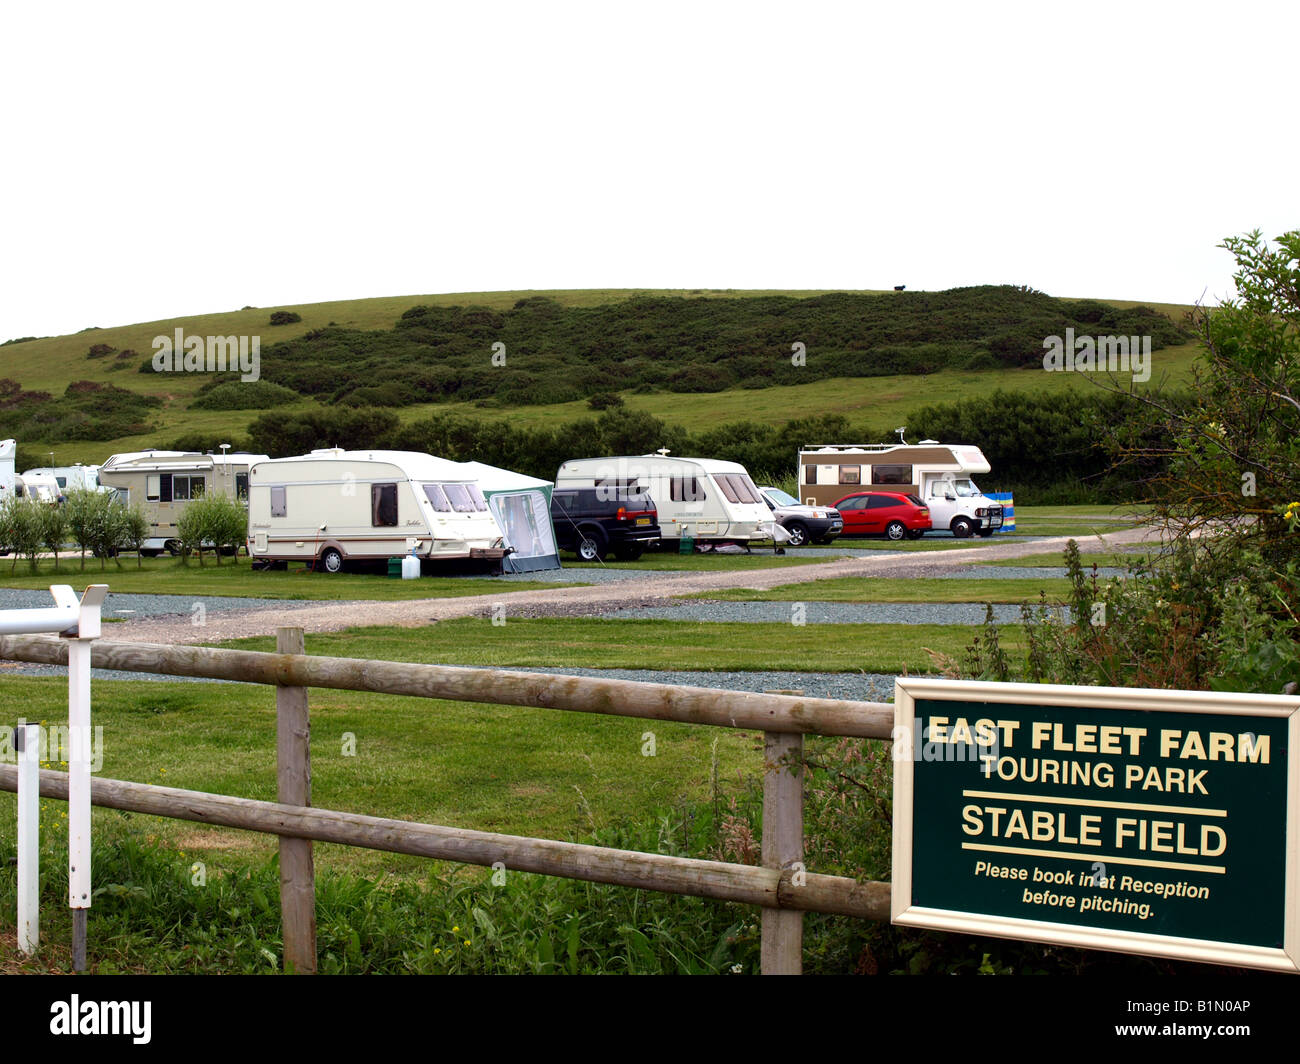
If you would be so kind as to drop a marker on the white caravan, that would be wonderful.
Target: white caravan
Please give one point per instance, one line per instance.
(939, 474)
(165, 482)
(67, 478)
(702, 498)
(8, 478)
(335, 506)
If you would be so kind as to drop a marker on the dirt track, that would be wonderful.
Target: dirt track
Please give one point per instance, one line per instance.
(581, 601)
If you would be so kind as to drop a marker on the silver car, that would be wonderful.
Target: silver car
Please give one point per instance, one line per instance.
(806, 524)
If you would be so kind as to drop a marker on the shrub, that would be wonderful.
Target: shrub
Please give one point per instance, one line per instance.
(245, 395)
(21, 529)
(604, 401)
(53, 529)
(211, 522)
(284, 317)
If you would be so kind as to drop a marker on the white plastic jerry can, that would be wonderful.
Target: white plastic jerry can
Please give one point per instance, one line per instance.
(410, 567)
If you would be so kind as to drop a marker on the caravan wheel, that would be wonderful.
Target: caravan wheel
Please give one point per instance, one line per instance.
(331, 560)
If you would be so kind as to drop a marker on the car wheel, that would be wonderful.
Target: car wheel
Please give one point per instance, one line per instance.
(798, 534)
(896, 530)
(331, 560)
(172, 547)
(591, 548)
(961, 527)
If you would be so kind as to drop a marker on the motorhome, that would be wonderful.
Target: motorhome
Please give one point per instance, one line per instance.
(333, 507)
(938, 474)
(705, 499)
(164, 483)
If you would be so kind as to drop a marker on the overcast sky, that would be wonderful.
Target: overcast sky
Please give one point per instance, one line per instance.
(169, 159)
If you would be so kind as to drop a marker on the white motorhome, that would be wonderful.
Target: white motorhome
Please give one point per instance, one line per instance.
(334, 506)
(702, 498)
(165, 482)
(939, 474)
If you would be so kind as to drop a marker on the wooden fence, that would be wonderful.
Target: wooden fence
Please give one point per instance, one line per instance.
(782, 887)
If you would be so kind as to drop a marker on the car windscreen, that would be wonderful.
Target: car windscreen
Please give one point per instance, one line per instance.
(781, 498)
(965, 488)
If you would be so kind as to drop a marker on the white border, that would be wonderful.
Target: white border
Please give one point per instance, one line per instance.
(907, 690)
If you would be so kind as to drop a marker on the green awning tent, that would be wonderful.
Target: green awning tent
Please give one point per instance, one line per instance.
(522, 507)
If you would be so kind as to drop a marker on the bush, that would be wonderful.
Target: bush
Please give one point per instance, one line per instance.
(284, 317)
(100, 350)
(211, 522)
(21, 529)
(604, 401)
(245, 395)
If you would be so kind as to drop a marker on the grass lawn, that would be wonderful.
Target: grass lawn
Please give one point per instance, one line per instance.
(558, 642)
(669, 561)
(494, 768)
(166, 576)
(874, 589)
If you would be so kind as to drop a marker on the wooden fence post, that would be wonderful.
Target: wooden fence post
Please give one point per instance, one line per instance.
(293, 775)
(782, 937)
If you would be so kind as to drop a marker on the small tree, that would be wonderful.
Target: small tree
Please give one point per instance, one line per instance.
(135, 530)
(54, 529)
(191, 530)
(21, 521)
(80, 514)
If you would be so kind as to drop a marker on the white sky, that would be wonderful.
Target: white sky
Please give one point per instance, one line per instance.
(169, 159)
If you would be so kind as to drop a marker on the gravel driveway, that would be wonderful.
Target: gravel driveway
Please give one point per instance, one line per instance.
(655, 589)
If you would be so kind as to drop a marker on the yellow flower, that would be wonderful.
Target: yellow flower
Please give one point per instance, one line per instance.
(467, 942)
(454, 930)
(436, 950)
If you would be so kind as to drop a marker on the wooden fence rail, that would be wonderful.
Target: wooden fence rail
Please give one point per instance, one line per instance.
(782, 887)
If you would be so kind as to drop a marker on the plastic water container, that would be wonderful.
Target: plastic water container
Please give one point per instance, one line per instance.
(410, 567)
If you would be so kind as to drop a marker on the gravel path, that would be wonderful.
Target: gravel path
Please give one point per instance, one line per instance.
(655, 589)
(823, 612)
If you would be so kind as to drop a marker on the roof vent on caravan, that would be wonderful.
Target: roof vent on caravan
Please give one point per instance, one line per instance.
(929, 443)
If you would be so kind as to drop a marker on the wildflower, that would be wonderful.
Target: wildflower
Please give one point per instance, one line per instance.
(454, 930)
(467, 942)
(436, 949)
(736, 969)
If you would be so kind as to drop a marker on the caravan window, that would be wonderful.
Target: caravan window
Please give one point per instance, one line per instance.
(278, 508)
(891, 474)
(383, 505)
(850, 474)
(151, 487)
(685, 489)
(480, 503)
(241, 487)
(810, 474)
(461, 500)
(737, 487)
(437, 498)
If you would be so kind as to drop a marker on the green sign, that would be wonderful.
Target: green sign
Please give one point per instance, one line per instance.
(1152, 822)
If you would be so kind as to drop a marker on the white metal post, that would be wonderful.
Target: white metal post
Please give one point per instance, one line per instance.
(29, 838)
(79, 761)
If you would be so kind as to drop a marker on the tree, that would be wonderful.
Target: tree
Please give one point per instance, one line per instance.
(1234, 454)
(54, 529)
(20, 530)
(135, 530)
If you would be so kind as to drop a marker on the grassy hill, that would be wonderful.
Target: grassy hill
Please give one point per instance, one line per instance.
(50, 364)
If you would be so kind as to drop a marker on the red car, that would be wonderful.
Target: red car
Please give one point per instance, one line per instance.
(884, 513)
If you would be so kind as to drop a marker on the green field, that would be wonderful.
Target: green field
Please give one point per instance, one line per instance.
(493, 768)
(882, 589)
(50, 363)
(605, 643)
(167, 576)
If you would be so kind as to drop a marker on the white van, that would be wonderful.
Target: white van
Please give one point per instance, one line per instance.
(164, 483)
(708, 500)
(939, 474)
(335, 506)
